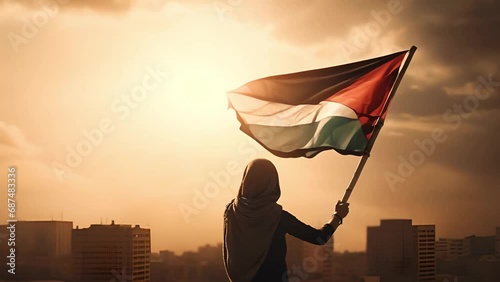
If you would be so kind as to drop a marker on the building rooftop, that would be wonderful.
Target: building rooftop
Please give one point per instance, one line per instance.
(112, 225)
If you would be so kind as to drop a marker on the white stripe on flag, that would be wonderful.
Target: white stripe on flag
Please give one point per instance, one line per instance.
(259, 112)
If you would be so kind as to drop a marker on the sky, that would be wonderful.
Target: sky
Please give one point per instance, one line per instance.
(117, 110)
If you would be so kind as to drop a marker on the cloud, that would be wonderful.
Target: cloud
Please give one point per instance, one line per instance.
(456, 33)
(309, 23)
(470, 145)
(98, 5)
(420, 99)
(456, 42)
(14, 143)
(451, 32)
(465, 89)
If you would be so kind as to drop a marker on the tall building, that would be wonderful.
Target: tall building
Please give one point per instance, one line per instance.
(111, 253)
(497, 241)
(43, 250)
(401, 252)
(449, 248)
(426, 252)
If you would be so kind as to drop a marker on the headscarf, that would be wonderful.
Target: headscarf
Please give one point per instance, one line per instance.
(250, 221)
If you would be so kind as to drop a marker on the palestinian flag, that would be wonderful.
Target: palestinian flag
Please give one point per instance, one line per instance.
(301, 114)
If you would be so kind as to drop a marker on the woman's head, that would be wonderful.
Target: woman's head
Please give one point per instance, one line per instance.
(260, 181)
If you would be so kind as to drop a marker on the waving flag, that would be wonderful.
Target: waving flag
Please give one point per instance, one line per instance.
(301, 114)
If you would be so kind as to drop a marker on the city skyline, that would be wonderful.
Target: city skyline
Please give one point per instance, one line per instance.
(397, 250)
(495, 232)
(118, 110)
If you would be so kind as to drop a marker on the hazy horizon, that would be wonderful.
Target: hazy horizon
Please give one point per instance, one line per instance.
(215, 243)
(117, 110)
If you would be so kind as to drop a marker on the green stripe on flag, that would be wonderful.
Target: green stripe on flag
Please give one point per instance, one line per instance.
(335, 132)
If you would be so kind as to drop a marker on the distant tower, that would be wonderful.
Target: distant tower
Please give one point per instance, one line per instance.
(401, 252)
(111, 252)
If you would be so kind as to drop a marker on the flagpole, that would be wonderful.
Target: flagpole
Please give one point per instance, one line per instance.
(378, 127)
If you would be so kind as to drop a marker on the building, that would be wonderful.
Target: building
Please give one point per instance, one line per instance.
(111, 253)
(441, 249)
(309, 262)
(210, 253)
(168, 257)
(399, 251)
(326, 258)
(318, 259)
(426, 252)
(455, 248)
(449, 248)
(170, 268)
(349, 266)
(479, 245)
(205, 265)
(210, 258)
(42, 249)
(391, 251)
(497, 241)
